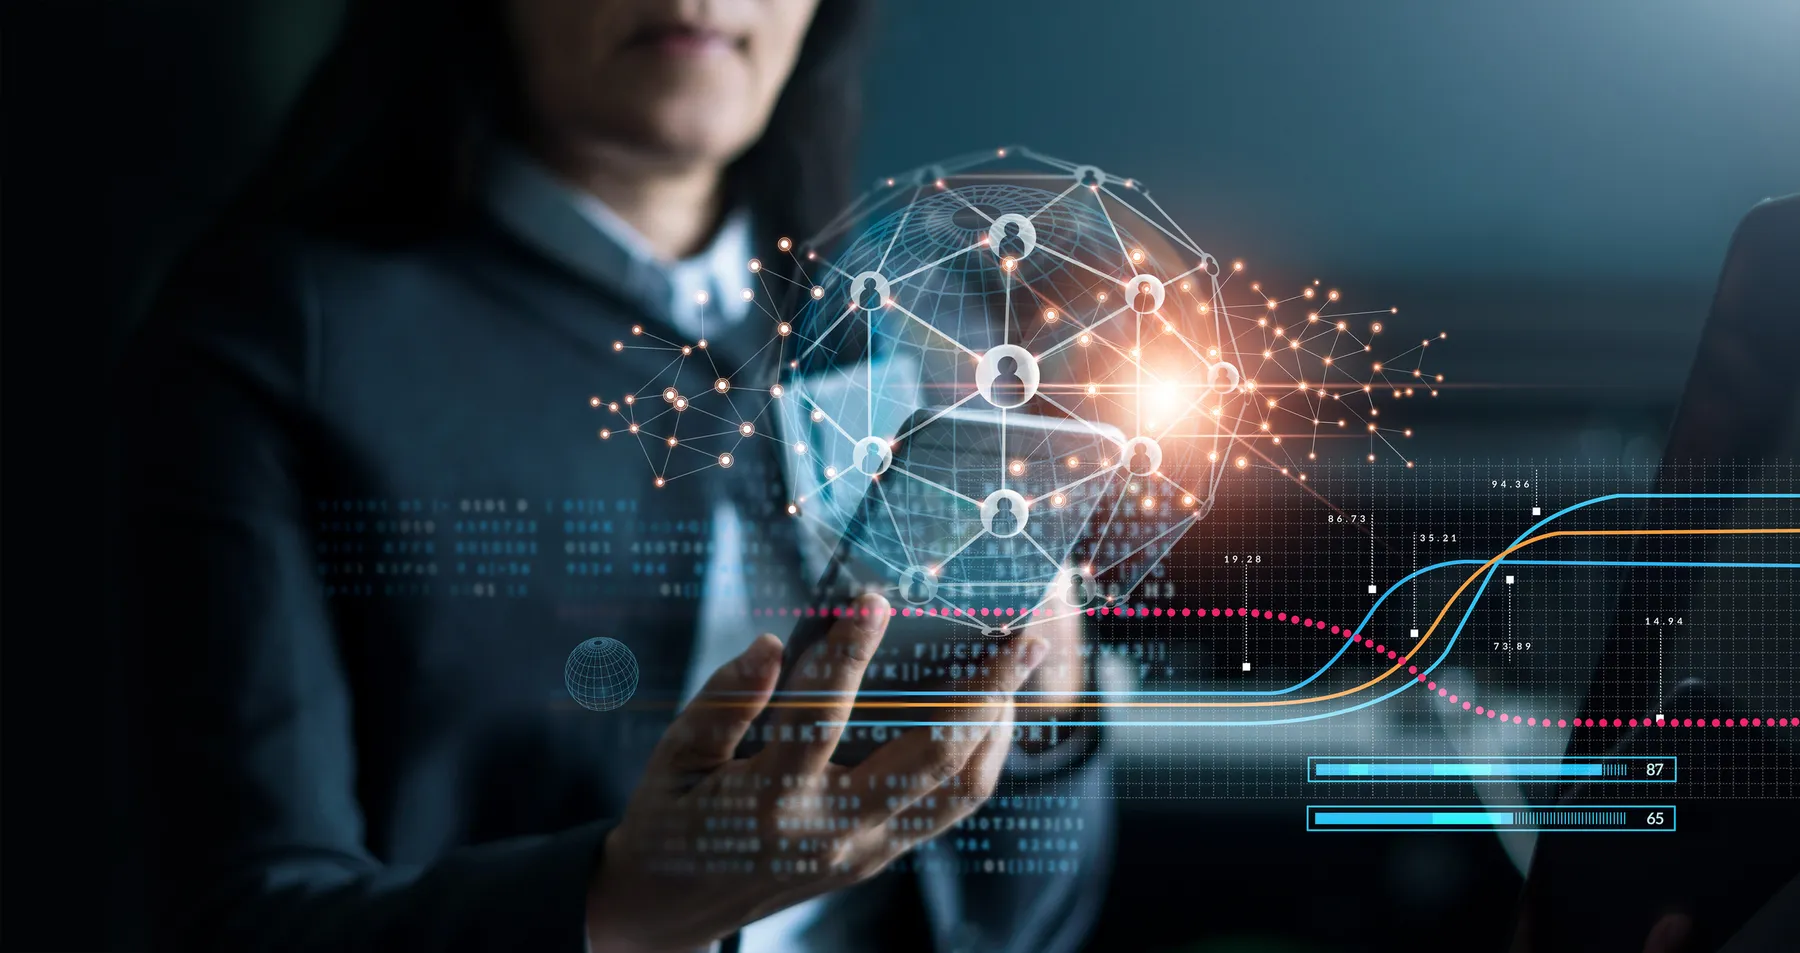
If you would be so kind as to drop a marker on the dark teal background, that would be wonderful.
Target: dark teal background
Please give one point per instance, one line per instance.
(1551, 181)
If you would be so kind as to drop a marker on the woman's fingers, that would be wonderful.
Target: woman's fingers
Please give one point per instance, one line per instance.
(1056, 682)
(819, 695)
(707, 732)
(925, 758)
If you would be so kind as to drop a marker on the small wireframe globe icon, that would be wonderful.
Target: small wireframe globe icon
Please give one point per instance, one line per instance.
(601, 674)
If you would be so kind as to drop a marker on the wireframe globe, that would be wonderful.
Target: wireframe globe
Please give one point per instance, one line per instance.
(1020, 382)
(970, 283)
(601, 674)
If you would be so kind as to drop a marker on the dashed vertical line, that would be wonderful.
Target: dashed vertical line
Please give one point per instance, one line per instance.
(1662, 681)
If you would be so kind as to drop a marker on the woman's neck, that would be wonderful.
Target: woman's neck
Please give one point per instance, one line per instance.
(673, 204)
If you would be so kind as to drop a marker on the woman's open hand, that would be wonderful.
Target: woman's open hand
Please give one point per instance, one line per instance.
(711, 842)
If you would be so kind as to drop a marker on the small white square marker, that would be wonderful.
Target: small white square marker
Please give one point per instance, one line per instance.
(1509, 580)
(1246, 666)
(1415, 633)
(1537, 511)
(1659, 716)
(1371, 588)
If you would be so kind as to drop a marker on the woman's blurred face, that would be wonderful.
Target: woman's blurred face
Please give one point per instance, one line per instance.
(674, 80)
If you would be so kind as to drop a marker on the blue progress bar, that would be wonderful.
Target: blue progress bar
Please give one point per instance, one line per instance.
(1414, 819)
(1499, 769)
(1448, 818)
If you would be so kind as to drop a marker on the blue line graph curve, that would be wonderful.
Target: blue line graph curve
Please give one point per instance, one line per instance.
(1408, 683)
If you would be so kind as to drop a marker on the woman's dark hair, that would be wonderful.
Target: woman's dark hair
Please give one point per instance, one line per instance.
(385, 143)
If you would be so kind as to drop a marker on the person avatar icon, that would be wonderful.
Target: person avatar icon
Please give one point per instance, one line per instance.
(917, 589)
(870, 297)
(872, 461)
(1005, 521)
(1012, 244)
(1008, 387)
(1145, 302)
(1090, 178)
(1077, 590)
(1141, 463)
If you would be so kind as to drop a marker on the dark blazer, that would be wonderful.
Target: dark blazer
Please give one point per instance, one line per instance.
(369, 519)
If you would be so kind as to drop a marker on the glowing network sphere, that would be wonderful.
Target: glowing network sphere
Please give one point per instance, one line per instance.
(994, 292)
(1039, 295)
(601, 674)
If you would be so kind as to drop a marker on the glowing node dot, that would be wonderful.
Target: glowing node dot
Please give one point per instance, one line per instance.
(605, 434)
(725, 460)
(818, 292)
(614, 406)
(800, 447)
(618, 345)
(793, 509)
(1016, 467)
(776, 391)
(721, 385)
(686, 351)
(755, 265)
(681, 403)
(630, 399)
(817, 415)
(748, 294)
(633, 428)
(747, 429)
(701, 297)
(672, 441)
(785, 244)
(831, 472)
(660, 481)
(637, 329)
(1050, 315)
(669, 394)
(1242, 462)
(784, 329)
(593, 401)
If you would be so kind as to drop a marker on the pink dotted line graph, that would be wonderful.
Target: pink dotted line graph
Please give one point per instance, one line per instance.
(1380, 649)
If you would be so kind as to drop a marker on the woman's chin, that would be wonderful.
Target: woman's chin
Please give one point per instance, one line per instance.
(706, 132)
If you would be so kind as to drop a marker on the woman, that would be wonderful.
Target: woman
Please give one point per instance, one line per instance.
(359, 412)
